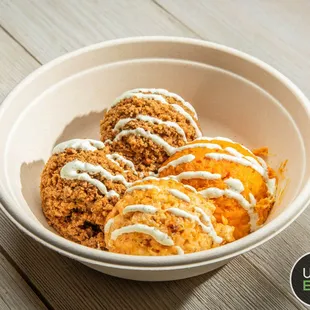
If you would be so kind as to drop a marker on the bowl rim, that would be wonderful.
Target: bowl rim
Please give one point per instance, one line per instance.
(98, 257)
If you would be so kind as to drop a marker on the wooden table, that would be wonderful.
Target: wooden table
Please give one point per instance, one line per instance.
(35, 32)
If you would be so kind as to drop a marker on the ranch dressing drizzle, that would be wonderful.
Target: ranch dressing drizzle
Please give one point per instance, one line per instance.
(257, 162)
(140, 208)
(234, 152)
(271, 183)
(179, 250)
(147, 179)
(181, 160)
(187, 175)
(188, 117)
(158, 235)
(160, 98)
(108, 225)
(167, 94)
(78, 144)
(114, 157)
(214, 192)
(191, 188)
(235, 184)
(223, 139)
(242, 161)
(201, 145)
(194, 218)
(73, 171)
(142, 187)
(179, 194)
(122, 122)
(143, 133)
(207, 219)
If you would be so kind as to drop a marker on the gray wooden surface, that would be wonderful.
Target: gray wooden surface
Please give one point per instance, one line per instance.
(35, 31)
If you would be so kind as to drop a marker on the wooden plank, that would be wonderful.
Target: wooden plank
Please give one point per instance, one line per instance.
(274, 31)
(201, 292)
(14, 291)
(57, 27)
(13, 67)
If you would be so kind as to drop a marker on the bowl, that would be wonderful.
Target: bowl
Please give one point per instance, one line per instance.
(236, 96)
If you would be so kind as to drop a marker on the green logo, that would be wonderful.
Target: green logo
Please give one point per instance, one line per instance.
(306, 286)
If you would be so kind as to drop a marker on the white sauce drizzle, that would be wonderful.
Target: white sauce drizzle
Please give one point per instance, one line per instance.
(143, 133)
(140, 208)
(114, 157)
(208, 229)
(233, 152)
(73, 171)
(108, 225)
(223, 139)
(191, 188)
(148, 178)
(122, 122)
(187, 175)
(271, 185)
(182, 160)
(188, 117)
(257, 164)
(200, 145)
(179, 195)
(179, 250)
(142, 187)
(214, 192)
(158, 235)
(242, 161)
(160, 98)
(168, 94)
(235, 184)
(207, 219)
(78, 144)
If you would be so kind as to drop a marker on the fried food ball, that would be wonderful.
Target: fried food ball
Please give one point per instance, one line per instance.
(163, 217)
(80, 184)
(240, 184)
(146, 125)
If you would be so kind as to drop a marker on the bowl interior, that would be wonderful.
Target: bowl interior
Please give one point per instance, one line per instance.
(233, 97)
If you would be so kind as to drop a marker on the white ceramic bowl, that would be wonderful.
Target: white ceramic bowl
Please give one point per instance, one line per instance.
(235, 95)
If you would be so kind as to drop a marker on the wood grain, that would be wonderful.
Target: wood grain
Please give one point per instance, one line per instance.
(46, 29)
(14, 291)
(274, 31)
(57, 27)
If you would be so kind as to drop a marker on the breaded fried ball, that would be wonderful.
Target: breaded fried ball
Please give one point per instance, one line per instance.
(146, 125)
(80, 184)
(163, 217)
(240, 184)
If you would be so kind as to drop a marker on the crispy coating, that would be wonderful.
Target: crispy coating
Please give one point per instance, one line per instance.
(228, 210)
(145, 153)
(76, 209)
(185, 233)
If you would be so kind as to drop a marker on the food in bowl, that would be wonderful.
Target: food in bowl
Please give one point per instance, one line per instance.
(93, 192)
(240, 184)
(163, 217)
(80, 184)
(147, 124)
